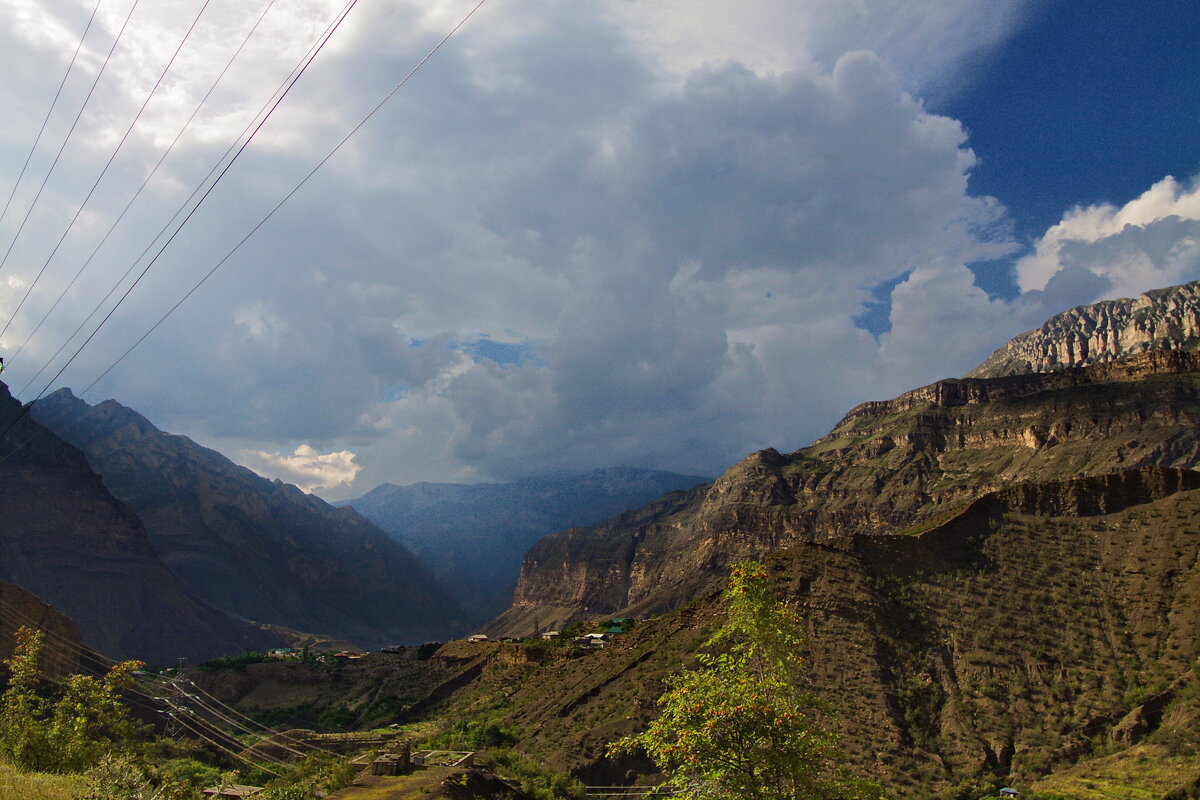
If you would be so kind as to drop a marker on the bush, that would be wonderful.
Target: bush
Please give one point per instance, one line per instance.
(68, 733)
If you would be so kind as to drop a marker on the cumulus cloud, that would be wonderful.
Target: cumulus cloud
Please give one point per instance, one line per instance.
(678, 261)
(1095, 253)
(578, 238)
(924, 43)
(1152, 240)
(305, 467)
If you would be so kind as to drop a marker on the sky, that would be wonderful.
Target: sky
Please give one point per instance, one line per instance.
(585, 233)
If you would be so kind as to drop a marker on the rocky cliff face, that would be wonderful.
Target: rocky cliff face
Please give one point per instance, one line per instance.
(887, 467)
(260, 549)
(1164, 319)
(66, 539)
(1031, 627)
(474, 536)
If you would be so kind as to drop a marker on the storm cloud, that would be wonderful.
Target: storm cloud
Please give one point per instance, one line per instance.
(584, 234)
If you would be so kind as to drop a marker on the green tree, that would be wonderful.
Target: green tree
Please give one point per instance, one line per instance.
(743, 726)
(68, 733)
(22, 738)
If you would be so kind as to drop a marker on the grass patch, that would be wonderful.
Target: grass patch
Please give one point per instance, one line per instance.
(1144, 772)
(16, 784)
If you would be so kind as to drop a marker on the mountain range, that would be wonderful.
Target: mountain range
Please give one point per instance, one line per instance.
(67, 540)
(891, 466)
(999, 575)
(255, 548)
(473, 536)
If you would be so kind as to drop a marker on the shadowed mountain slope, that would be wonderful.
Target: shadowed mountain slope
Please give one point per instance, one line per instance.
(63, 650)
(66, 539)
(261, 549)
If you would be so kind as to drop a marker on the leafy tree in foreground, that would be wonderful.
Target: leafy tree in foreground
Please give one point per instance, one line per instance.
(68, 734)
(742, 727)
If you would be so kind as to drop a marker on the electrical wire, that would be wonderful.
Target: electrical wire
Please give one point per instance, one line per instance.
(264, 109)
(286, 197)
(60, 657)
(25, 408)
(67, 138)
(273, 733)
(182, 720)
(138, 193)
(37, 139)
(107, 165)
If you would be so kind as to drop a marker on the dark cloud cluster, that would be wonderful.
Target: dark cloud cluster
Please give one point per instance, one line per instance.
(577, 238)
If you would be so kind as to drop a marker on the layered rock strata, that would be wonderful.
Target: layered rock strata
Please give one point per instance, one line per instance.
(1163, 319)
(887, 467)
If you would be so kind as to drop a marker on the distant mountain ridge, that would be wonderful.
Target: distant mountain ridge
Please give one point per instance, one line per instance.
(1162, 319)
(67, 540)
(260, 549)
(474, 535)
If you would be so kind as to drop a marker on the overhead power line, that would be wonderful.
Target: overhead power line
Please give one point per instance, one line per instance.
(199, 202)
(67, 138)
(257, 119)
(138, 193)
(286, 197)
(107, 165)
(294, 79)
(37, 139)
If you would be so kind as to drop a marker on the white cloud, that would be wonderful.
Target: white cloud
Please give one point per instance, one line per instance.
(1095, 253)
(925, 43)
(259, 321)
(1152, 240)
(676, 223)
(306, 468)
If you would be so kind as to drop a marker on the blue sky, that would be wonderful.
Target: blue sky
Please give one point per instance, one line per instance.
(1084, 103)
(658, 234)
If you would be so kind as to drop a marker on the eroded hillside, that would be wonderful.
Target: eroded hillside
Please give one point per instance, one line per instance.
(885, 467)
(1038, 626)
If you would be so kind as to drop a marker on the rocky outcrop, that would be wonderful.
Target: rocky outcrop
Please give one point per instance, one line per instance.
(66, 539)
(887, 467)
(259, 549)
(1001, 640)
(1163, 319)
(474, 536)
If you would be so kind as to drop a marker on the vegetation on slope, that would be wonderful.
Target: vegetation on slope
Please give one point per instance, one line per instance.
(745, 724)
